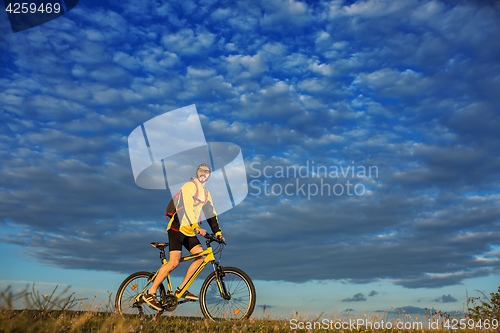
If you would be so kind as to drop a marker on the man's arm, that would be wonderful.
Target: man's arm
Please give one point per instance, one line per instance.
(211, 215)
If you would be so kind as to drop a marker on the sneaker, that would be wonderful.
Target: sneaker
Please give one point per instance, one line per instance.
(187, 295)
(152, 301)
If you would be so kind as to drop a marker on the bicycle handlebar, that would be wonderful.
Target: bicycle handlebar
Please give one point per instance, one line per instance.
(213, 238)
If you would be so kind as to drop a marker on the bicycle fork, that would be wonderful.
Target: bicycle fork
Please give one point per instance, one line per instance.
(219, 275)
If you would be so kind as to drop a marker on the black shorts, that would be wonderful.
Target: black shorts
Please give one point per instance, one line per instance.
(176, 239)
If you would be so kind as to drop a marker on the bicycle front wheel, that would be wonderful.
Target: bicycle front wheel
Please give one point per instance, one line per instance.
(240, 289)
(126, 297)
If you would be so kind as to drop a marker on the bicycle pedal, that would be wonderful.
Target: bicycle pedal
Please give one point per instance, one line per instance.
(187, 300)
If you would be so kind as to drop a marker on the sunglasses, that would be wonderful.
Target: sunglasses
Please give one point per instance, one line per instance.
(206, 172)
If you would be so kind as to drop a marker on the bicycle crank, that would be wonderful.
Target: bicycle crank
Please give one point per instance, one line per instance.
(170, 303)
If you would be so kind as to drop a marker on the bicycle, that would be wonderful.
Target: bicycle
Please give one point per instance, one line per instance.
(227, 292)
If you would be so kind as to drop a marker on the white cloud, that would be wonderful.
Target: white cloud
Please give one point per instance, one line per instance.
(156, 59)
(189, 42)
(377, 8)
(393, 83)
(243, 67)
(285, 14)
(322, 69)
(126, 60)
(198, 73)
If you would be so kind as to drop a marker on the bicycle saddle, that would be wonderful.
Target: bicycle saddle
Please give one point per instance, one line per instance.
(159, 246)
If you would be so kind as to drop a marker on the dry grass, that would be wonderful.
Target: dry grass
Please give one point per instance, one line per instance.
(55, 313)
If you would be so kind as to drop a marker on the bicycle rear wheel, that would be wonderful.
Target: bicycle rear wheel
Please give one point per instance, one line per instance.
(126, 297)
(241, 292)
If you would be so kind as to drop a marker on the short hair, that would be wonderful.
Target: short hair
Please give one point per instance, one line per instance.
(205, 165)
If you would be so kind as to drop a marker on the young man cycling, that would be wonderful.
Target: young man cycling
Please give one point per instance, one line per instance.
(184, 213)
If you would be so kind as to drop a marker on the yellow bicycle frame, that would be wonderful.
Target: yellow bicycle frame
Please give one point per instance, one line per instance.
(209, 258)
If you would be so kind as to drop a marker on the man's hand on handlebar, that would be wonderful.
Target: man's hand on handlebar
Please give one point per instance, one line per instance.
(201, 231)
(218, 239)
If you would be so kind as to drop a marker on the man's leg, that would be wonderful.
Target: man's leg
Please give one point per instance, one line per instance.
(194, 265)
(150, 296)
(174, 258)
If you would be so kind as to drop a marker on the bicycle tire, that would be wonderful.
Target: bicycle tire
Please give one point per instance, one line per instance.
(238, 285)
(125, 302)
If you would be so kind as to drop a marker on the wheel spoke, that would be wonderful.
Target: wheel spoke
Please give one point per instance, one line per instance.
(241, 292)
(126, 298)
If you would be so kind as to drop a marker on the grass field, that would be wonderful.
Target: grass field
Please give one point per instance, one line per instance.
(38, 321)
(54, 313)
(74, 321)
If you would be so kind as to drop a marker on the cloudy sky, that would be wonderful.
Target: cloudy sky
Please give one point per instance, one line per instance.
(369, 131)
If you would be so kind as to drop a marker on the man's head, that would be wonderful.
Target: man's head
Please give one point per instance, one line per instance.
(203, 172)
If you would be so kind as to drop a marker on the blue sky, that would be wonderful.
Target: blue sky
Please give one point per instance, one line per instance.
(410, 88)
